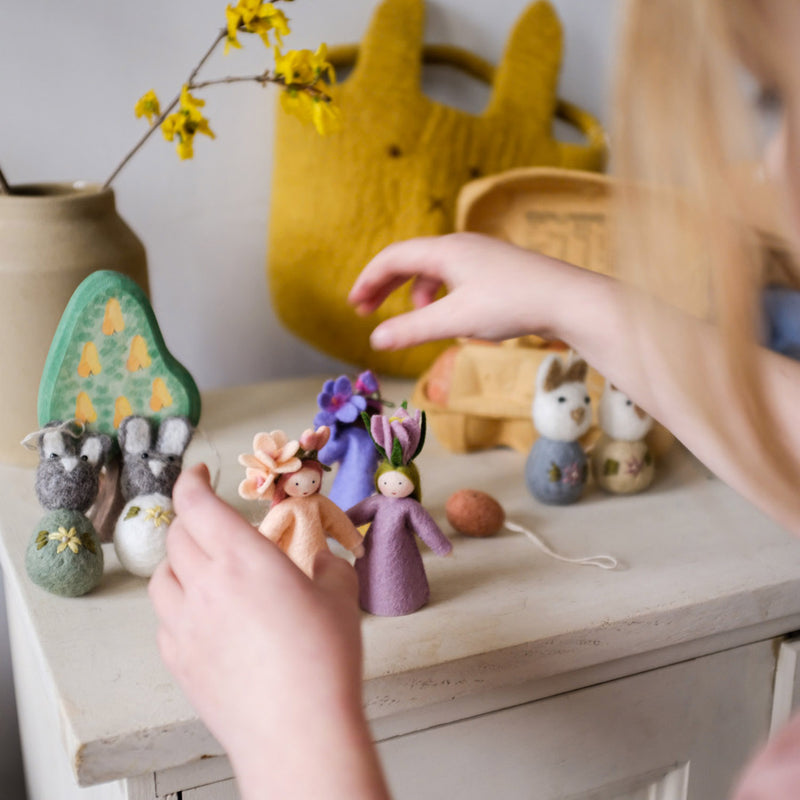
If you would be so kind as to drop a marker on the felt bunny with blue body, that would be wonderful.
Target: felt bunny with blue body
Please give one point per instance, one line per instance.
(557, 468)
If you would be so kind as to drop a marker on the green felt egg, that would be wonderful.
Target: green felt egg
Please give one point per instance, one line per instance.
(64, 555)
(108, 360)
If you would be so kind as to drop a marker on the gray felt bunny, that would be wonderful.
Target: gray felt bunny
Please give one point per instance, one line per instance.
(64, 555)
(68, 475)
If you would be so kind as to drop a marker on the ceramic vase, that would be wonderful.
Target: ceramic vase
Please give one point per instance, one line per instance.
(52, 235)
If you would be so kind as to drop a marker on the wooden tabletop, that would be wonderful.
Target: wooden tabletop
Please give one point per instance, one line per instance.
(703, 570)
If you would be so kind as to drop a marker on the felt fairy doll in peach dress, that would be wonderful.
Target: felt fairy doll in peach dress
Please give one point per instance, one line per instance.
(289, 474)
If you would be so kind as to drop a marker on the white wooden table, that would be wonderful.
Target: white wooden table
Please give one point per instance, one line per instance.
(523, 678)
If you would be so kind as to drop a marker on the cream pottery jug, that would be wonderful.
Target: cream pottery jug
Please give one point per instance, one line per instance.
(52, 235)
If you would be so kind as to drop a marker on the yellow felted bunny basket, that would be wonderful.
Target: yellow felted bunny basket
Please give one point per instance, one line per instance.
(394, 170)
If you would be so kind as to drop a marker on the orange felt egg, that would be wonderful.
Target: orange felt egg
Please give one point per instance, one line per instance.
(474, 513)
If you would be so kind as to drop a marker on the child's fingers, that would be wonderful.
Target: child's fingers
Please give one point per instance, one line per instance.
(185, 556)
(335, 575)
(165, 592)
(379, 296)
(424, 290)
(393, 266)
(426, 324)
(212, 523)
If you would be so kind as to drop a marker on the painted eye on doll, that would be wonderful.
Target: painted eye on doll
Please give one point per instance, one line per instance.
(394, 151)
(475, 172)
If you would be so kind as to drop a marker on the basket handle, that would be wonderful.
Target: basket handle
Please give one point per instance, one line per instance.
(591, 155)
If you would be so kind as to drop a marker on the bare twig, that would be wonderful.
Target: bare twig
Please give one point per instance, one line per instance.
(152, 129)
(4, 187)
(264, 78)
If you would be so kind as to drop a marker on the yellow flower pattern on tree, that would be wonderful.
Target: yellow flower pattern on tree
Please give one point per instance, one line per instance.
(113, 321)
(139, 358)
(185, 123)
(122, 409)
(84, 410)
(161, 398)
(66, 538)
(90, 361)
(148, 106)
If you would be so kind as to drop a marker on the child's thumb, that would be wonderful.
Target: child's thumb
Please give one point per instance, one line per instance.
(335, 575)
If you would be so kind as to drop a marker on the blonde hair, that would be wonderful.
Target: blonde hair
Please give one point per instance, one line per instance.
(695, 237)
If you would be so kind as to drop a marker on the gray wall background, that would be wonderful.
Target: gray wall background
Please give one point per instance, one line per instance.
(69, 76)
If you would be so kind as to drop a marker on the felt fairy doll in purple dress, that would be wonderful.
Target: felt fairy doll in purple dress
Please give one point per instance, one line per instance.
(341, 403)
(391, 574)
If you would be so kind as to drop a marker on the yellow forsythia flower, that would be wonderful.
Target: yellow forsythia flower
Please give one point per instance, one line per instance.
(254, 16)
(148, 106)
(185, 123)
(326, 116)
(322, 113)
(232, 20)
(303, 66)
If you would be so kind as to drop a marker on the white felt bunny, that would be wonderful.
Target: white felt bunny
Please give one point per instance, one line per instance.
(557, 468)
(621, 459)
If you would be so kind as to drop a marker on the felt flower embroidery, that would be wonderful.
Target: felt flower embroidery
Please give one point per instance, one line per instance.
(634, 466)
(66, 538)
(572, 475)
(159, 515)
(338, 403)
(399, 437)
(273, 454)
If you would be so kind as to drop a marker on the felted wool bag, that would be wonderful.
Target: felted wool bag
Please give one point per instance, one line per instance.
(395, 168)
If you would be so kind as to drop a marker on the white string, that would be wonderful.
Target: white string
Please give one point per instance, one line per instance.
(31, 441)
(602, 561)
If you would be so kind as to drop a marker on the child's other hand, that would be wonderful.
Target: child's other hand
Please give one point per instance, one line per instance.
(496, 290)
(775, 772)
(270, 659)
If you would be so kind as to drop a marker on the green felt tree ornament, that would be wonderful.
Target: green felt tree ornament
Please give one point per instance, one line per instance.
(108, 360)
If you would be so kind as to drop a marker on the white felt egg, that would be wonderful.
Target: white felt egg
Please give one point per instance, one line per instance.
(140, 537)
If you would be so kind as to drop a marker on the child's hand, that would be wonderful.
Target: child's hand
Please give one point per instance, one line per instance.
(270, 659)
(775, 773)
(496, 290)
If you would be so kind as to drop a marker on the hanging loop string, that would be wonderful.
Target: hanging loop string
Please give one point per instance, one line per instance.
(601, 561)
(72, 427)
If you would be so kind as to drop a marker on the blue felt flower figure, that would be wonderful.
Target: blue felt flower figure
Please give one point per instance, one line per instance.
(338, 403)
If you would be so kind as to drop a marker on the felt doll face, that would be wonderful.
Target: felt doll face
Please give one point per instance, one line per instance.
(395, 484)
(303, 483)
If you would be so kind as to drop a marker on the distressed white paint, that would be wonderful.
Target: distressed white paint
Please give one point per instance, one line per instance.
(506, 625)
